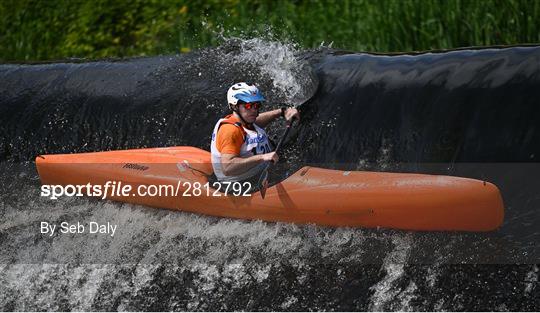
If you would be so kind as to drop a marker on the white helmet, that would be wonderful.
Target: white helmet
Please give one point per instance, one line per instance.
(243, 91)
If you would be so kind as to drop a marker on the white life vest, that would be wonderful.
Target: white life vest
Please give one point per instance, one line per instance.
(255, 142)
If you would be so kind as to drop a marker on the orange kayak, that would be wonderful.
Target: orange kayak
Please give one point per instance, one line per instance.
(311, 195)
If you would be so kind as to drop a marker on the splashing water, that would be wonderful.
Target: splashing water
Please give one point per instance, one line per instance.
(279, 62)
(275, 65)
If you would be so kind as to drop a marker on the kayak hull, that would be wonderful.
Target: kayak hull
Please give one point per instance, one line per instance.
(311, 195)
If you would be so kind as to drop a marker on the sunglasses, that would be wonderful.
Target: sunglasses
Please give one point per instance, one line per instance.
(250, 105)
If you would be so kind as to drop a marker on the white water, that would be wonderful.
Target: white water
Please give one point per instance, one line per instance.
(278, 61)
(387, 295)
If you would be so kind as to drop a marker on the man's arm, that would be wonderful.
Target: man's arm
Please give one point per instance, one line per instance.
(232, 164)
(229, 140)
(267, 117)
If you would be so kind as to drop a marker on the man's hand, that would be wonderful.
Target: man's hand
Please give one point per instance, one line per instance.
(270, 157)
(291, 113)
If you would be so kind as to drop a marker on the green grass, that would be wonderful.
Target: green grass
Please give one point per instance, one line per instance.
(57, 29)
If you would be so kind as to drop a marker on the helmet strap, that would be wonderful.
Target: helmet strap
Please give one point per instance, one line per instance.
(235, 110)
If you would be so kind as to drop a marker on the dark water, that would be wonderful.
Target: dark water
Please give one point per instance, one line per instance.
(465, 113)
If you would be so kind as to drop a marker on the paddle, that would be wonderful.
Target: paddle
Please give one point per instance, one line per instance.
(263, 180)
(299, 100)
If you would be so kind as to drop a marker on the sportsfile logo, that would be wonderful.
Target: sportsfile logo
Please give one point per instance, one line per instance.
(110, 188)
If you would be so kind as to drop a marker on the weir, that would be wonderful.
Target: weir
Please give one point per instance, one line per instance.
(457, 106)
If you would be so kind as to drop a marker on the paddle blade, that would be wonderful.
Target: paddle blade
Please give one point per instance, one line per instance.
(263, 183)
(263, 189)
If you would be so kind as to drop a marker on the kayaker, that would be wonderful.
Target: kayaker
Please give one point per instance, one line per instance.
(240, 146)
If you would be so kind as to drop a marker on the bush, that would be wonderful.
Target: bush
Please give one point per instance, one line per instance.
(47, 29)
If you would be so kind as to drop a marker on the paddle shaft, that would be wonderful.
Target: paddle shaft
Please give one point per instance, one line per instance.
(264, 174)
(289, 125)
(280, 143)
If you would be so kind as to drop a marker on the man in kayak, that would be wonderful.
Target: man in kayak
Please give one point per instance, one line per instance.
(240, 147)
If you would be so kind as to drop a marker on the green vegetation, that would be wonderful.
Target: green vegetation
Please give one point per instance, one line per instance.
(56, 29)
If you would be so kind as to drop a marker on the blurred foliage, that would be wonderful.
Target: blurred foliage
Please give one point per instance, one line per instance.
(58, 29)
